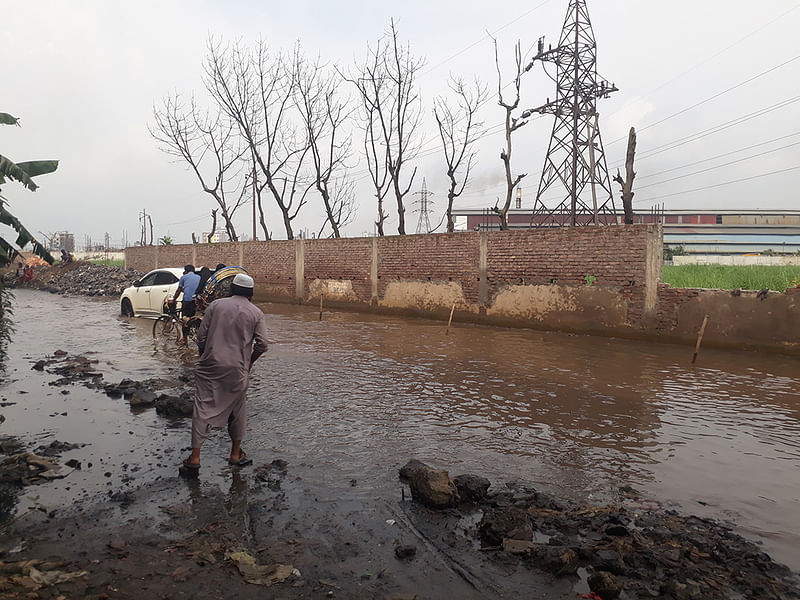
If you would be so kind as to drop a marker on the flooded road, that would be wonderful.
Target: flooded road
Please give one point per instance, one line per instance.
(354, 396)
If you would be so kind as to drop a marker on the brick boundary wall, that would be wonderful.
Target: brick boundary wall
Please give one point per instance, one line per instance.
(598, 280)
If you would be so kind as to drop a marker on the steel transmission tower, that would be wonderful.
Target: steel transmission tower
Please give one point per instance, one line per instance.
(575, 173)
(424, 223)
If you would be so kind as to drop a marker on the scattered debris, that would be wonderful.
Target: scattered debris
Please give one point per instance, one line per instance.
(261, 574)
(26, 468)
(641, 552)
(83, 279)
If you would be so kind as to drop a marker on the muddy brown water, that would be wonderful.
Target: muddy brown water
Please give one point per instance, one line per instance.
(352, 397)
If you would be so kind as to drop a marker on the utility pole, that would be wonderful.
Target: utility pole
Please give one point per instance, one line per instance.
(575, 164)
(143, 228)
(255, 183)
(424, 203)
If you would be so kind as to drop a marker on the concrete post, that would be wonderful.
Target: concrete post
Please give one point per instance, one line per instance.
(653, 263)
(299, 269)
(241, 253)
(194, 254)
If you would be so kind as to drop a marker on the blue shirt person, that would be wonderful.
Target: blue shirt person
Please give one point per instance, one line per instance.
(188, 284)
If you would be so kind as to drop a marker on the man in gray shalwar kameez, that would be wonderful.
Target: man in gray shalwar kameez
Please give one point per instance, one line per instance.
(230, 339)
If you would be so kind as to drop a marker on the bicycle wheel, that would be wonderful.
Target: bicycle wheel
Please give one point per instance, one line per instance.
(192, 325)
(164, 328)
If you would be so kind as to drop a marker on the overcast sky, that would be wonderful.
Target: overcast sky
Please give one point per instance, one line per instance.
(83, 77)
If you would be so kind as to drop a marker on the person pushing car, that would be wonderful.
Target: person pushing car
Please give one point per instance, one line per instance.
(187, 284)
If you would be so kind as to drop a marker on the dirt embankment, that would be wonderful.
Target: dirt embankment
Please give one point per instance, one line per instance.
(79, 279)
(276, 535)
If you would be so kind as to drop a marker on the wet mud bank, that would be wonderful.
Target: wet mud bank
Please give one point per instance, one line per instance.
(275, 533)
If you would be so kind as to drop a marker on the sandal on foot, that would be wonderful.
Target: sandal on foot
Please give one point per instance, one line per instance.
(189, 470)
(242, 462)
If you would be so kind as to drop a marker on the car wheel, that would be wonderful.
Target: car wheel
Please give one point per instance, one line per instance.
(126, 309)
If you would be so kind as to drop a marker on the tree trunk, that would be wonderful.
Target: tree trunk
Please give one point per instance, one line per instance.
(213, 224)
(630, 175)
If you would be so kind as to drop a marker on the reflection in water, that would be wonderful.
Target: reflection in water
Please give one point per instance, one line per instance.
(578, 415)
(354, 396)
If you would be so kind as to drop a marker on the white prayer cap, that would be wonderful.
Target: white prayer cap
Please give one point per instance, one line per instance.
(244, 281)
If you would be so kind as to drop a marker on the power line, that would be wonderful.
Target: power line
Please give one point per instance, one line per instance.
(677, 143)
(484, 38)
(724, 183)
(716, 129)
(710, 98)
(733, 162)
(482, 192)
(698, 162)
(719, 53)
(191, 220)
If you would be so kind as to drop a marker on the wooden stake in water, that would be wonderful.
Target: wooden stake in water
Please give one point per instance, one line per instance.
(320, 307)
(700, 338)
(452, 310)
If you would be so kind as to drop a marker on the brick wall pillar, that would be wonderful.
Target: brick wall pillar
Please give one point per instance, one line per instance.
(299, 269)
(483, 262)
(373, 274)
(653, 263)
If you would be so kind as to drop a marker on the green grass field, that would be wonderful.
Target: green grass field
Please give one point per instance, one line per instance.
(108, 263)
(724, 277)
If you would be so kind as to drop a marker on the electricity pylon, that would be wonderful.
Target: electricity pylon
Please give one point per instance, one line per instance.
(424, 223)
(575, 173)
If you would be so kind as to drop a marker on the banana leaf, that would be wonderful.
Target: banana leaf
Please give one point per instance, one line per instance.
(24, 171)
(24, 237)
(7, 119)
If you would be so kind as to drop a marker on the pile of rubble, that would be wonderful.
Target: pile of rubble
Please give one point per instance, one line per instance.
(643, 553)
(83, 279)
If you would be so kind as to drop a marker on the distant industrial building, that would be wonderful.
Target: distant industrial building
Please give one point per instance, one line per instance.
(699, 232)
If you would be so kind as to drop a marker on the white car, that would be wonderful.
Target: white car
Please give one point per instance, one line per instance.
(146, 296)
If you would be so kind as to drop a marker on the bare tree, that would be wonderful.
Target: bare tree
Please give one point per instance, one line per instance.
(626, 184)
(209, 145)
(325, 114)
(511, 125)
(376, 163)
(342, 204)
(256, 89)
(213, 224)
(458, 131)
(392, 111)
